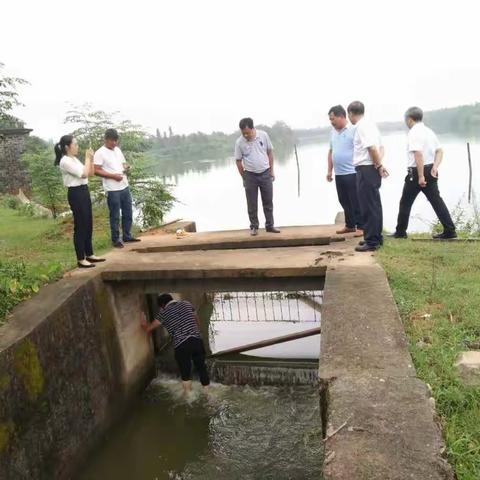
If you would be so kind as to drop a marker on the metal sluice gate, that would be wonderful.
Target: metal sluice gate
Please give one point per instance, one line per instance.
(299, 306)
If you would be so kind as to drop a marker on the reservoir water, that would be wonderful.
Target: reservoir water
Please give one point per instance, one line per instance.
(212, 194)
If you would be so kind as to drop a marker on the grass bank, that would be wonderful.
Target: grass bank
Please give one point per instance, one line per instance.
(35, 251)
(436, 286)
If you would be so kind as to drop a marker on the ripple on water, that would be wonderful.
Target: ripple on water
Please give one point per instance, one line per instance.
(234, 432)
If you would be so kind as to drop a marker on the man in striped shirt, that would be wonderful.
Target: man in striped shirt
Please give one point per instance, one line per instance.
(183, 325)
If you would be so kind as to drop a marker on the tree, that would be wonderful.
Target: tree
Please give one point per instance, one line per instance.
(150, 196)
(9, 99)
(47, 182)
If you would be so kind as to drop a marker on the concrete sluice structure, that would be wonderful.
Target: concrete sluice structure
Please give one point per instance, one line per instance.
(74, 357)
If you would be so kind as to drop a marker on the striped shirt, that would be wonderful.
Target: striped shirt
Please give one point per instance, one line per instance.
(178, 317)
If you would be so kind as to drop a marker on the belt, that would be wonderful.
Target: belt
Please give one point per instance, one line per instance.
(412, 170)
(358, 167)
(258, 173)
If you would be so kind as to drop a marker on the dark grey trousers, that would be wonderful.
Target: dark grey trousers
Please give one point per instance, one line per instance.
(252, 183)
(369, 182)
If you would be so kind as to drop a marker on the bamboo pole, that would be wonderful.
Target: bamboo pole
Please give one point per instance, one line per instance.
(469, 174)
(267, 343)
(298, 170)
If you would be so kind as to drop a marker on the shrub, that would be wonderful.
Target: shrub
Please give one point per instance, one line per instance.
(11, 201)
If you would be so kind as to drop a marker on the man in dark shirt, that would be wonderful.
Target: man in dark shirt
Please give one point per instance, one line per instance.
(183, 325)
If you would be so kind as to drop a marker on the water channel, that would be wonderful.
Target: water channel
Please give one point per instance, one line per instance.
(236, 431)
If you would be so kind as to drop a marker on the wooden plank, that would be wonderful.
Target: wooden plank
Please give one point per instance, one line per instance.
(267, 343)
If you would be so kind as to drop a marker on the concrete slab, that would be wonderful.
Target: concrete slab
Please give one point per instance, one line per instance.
(390, 433)
(252, 263)
(361, 328)
(241, 239)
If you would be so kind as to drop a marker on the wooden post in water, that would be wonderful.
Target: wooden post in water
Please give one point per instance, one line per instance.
(298, 170)
(469, 173)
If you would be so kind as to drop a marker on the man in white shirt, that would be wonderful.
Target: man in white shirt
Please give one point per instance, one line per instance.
(110, 164)
(254, 157)
(424, 157)
(367, 159)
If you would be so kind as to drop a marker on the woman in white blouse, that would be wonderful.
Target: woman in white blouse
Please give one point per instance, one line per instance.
(75, 176)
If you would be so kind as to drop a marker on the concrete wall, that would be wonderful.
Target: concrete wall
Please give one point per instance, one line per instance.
(71, 359)
(383, 416)
(13, 173)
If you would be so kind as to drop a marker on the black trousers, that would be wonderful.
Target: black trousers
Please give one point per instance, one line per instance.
(192, 350)
(81, 206)
(369, 182)
(411, 189)
(252, 183)
(348, 198)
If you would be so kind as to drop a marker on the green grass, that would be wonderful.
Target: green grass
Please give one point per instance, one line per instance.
(35, 251)
(436, 286)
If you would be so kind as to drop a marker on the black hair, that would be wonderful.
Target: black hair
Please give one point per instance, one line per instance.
(246, 122)
(111, 134)
(415, 113)
(163, 299)
(357, 108)
(338, 111)
(60, 148)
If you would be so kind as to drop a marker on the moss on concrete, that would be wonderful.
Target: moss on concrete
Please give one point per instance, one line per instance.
(4, 382)
(28, 369)
(107, 322)
(7, 430)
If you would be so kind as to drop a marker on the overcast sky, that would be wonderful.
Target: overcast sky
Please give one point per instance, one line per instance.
(202, 65)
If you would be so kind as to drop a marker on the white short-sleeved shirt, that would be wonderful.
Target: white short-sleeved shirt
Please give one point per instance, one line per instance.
(112, 162)
(253, 153)
(72, 170)
(420, 138)
(366, 135)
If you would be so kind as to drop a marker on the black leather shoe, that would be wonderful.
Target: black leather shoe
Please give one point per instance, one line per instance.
(444, 235)
(254, 232)
(397, 235)
(363, 242)
(272, 230)
(132, 240)
(118, 244)
(366, 248)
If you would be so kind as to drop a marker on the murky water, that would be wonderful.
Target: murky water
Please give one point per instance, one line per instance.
(233, 433)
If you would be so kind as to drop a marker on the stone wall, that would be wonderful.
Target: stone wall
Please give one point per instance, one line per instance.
(13, 173)
(71, 360)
